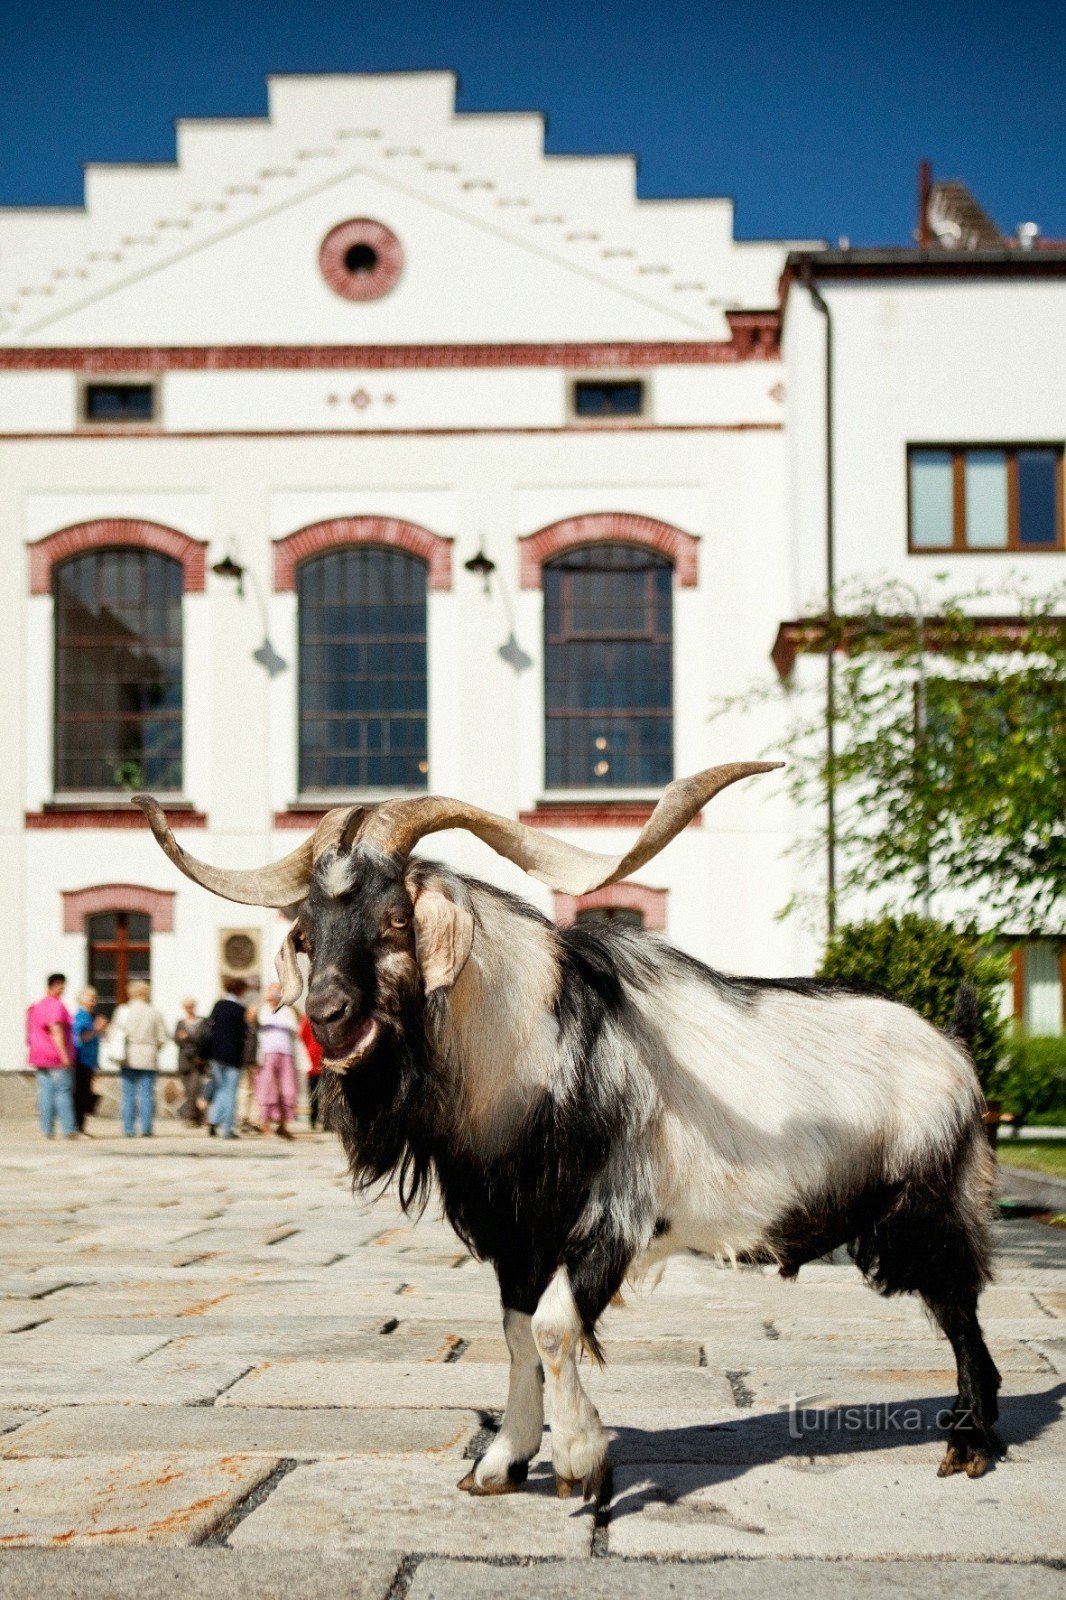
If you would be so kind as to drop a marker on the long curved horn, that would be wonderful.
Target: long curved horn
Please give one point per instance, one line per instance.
(281, 884)
(396, 827)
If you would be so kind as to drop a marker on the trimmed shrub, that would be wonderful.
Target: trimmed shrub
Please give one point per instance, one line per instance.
(922, 963)
(1033, 1080)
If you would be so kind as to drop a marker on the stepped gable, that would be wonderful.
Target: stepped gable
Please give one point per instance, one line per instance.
(494, 239)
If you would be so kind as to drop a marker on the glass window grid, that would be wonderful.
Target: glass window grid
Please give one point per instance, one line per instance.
(363, 679)
(119, 951)
(1017, 458)
(608, 681)
(118, 671)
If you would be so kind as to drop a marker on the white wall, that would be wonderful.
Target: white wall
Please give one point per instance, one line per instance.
(725, 879)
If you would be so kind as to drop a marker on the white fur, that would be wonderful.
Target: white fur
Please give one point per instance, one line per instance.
(579, 1442)
(500, 1033)
(333, 874)
(522, 1428)
(768, 1101)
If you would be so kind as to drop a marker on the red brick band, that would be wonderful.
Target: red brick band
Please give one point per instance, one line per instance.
(603, 527)
(112, 533)
(651, 903)
(117, 816)
(158, 904)
(433, 548)
(375, 357)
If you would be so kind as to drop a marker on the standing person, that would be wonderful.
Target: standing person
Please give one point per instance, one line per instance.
(89, 1024)
(192, 1062)
(50, 1052)
(146, 1034)
(226, 1050)
(275, 1081)
(314, 1067)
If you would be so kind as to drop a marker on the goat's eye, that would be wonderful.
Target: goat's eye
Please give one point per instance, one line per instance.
(399, 921)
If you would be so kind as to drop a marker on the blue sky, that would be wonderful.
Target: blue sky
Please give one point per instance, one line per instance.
(812, 116)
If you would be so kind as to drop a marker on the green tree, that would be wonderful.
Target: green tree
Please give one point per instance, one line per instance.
(923, 963)
(949, 773)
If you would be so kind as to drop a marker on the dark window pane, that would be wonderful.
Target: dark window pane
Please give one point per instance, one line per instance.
(118, 671)
(363, 690)
(1037, 497)
(119, 950)
(608, 676)
(119, 402)
(608, 399)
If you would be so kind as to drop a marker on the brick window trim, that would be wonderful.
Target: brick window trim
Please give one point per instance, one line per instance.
(610, 527)
(109, 533)
(651, 903)
(434, 549)
(157, 904)
(118, 815)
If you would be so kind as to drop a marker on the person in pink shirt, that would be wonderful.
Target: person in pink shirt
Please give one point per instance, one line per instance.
(50, 1042)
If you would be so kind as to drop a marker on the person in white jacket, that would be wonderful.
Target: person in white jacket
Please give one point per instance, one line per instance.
(142, 1034)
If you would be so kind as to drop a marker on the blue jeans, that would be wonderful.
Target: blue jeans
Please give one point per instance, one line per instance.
(225, 1081)
(138, 1093)
(55, 1098)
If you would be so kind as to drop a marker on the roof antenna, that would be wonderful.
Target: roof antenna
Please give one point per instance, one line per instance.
(925, 190)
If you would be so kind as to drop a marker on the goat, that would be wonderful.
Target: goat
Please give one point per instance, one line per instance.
(589, 1100)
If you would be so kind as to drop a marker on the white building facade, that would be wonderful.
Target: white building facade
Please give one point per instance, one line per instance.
(509, 477)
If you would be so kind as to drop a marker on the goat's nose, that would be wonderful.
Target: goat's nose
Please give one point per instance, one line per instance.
(329, 1006)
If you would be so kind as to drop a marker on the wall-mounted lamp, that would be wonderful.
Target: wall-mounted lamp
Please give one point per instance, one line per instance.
(228, 568)
(482, 566)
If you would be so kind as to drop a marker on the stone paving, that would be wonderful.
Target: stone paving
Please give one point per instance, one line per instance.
(220, 1374)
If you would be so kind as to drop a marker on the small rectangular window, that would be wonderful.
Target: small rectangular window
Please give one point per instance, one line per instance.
(605, 398)
(119, 402)
(985, 497)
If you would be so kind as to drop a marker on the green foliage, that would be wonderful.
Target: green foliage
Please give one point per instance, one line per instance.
(950, 760)
(1033, 1082)
(922, 963)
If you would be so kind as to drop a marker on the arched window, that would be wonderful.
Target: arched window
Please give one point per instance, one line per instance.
(118, 671)
(362, 617)
(608, 668)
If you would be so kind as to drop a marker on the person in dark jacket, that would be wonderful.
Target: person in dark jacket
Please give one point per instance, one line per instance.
(226, 1051)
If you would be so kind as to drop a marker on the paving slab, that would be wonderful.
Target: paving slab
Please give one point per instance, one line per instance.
(466, 1384)
(841, 1509)
(361, 1505)
(122, 1499)
(86, 1430)
(740, 1580)
(78, 1385)
(111, 1574)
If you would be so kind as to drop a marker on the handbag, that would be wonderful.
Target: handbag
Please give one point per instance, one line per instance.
(117, 1047)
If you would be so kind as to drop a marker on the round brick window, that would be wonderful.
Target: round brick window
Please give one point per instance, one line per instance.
(361, 259)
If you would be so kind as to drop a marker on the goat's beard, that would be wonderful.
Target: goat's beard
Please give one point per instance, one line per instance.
(385, 1109)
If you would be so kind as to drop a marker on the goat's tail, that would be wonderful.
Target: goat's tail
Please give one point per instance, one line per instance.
(964, 1017)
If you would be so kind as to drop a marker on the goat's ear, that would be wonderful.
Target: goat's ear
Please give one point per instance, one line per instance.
(444, 933)
(288, 970)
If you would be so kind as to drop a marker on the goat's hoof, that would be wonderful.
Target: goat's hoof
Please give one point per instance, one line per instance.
(509, 1485)
(564, 1487)
(972, 1459)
